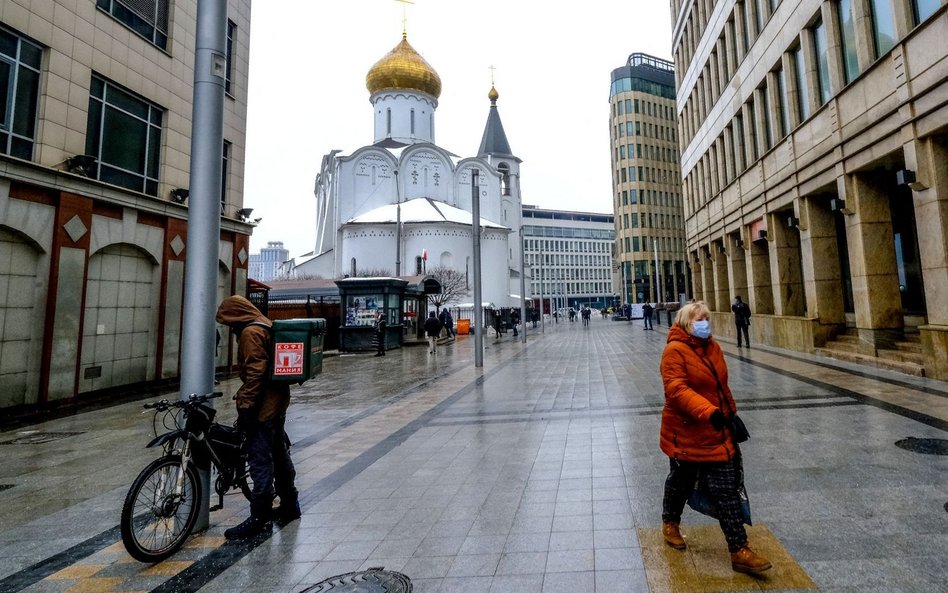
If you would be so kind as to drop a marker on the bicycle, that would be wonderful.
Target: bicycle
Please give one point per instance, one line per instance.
(162, 505)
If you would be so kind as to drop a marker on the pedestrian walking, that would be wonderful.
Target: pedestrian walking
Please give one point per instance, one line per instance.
(432, 330)
(742, 320)
(261, 414)
(698, 407)
(535, 316)
(380, 326)
(586, 313)
(514, 320)
(448, 322)
(647, 312)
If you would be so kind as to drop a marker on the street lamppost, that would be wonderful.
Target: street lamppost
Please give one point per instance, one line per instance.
(523, 293)
(476, 231)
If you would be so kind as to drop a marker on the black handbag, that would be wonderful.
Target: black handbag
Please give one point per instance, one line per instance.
(738, 429)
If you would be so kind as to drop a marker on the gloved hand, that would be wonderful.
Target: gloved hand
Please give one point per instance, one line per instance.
(717, 420)
(246, 419)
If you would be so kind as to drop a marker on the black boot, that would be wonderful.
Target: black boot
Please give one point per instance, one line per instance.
(250, 527)
(287, 512)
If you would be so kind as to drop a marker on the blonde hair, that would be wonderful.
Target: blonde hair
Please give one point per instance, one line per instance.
(689, 312)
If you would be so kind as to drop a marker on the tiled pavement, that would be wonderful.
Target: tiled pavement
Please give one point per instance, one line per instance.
(538, 473)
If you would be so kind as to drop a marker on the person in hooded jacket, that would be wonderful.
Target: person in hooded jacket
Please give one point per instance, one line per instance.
(698, 405)
(261, 414)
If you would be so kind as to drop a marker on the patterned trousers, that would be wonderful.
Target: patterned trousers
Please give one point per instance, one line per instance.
(721, 479)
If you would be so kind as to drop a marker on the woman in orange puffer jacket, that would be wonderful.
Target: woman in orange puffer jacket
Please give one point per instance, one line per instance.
(698, 405)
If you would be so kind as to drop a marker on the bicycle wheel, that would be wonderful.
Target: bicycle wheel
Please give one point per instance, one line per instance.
(156, 520)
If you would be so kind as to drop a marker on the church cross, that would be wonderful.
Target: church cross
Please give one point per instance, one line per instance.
(491, 68)
(405, 15)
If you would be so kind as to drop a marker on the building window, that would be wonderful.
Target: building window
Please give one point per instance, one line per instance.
(229, 67)
(19, 93)
(759, 4)
(922, 9)
(784, 118)
(124, 134)
(822, 62)
(802, 93)
(848, 39)
(412, 122)
(752, 127)
(883, 26)
(224, 168)
(148, 18)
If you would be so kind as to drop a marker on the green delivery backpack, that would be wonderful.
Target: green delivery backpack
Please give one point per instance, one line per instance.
(297, 349)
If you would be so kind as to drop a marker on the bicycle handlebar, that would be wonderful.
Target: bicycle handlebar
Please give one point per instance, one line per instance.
(192, 399)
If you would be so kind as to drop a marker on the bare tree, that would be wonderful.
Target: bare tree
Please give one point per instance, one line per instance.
(373, 273)
(453, 286)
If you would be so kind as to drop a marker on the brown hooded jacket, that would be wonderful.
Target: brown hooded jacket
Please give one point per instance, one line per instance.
(253, 357)
(692, 394)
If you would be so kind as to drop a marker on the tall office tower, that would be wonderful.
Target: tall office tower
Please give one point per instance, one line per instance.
(814, 138)
(646, 182)
(266, 265)
(95, 141)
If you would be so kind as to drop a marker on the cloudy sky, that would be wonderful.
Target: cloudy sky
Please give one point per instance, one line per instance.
(552, 60)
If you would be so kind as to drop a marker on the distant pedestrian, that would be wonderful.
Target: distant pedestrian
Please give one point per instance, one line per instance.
(742, 320)
(556, 316)
(647, 312)
(586, 314)
(380, 327)
(535, 316)
(698, 407)
(448, 322)
(514, 320)
(432, 330)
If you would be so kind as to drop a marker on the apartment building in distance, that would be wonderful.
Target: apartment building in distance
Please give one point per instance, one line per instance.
(814, 153)
(568, 258)
(646, 182)
(266, 265)
(95, 140)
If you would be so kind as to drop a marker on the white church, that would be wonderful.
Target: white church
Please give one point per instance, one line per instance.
(405, 176)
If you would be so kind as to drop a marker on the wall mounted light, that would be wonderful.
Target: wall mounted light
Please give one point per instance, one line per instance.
(80, 164)
(244, 213)
(905, 177)
(837, 204)
(179, 195)
(762, 234)
(792, 222)
(738, 242)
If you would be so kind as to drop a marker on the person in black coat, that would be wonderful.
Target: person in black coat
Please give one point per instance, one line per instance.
(380, 327)
(742, 319)
(432, 330)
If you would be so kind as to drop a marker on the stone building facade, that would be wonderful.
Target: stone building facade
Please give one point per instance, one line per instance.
(646, 182)
(94, 166)
(815, 170)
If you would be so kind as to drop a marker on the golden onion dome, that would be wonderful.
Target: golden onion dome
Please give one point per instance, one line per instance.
(403, 68)
(493, 95)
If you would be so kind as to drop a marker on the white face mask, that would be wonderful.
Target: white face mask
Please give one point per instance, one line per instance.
(701, 329)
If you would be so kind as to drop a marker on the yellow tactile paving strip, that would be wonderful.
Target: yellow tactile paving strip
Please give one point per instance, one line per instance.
(705, 566)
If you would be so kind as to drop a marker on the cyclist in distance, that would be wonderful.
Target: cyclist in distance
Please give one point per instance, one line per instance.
(261, 414)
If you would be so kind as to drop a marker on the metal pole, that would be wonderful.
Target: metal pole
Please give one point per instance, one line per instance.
(658, 292)
(204, 214)
(542, 303)
(478, 303)
(398, 229)
(523, 293)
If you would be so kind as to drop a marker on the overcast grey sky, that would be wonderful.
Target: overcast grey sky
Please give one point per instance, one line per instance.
(307, 96)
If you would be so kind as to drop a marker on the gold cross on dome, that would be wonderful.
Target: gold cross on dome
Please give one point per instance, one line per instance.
(491, 68)
(405, 15)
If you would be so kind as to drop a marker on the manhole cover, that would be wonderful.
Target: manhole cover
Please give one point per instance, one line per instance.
(35, 437)
(926, 446)
(374, 580)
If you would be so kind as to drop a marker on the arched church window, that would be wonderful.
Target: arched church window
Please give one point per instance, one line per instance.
(352, 268)
(388, 122)
(373, 174)
(505, 178)
(412, 122)
(447, 260)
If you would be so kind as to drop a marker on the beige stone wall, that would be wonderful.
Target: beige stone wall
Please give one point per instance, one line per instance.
(82, 39)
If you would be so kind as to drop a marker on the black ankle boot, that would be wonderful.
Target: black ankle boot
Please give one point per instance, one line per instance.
(250, 527)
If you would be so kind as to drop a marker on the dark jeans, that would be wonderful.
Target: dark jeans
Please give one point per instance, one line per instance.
(380, 344)
(648, 322)
(722, 481)
(271, 468)
(742, 328)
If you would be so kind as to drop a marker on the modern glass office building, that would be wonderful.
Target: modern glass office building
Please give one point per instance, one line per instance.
(646, 184)
(568, 257)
